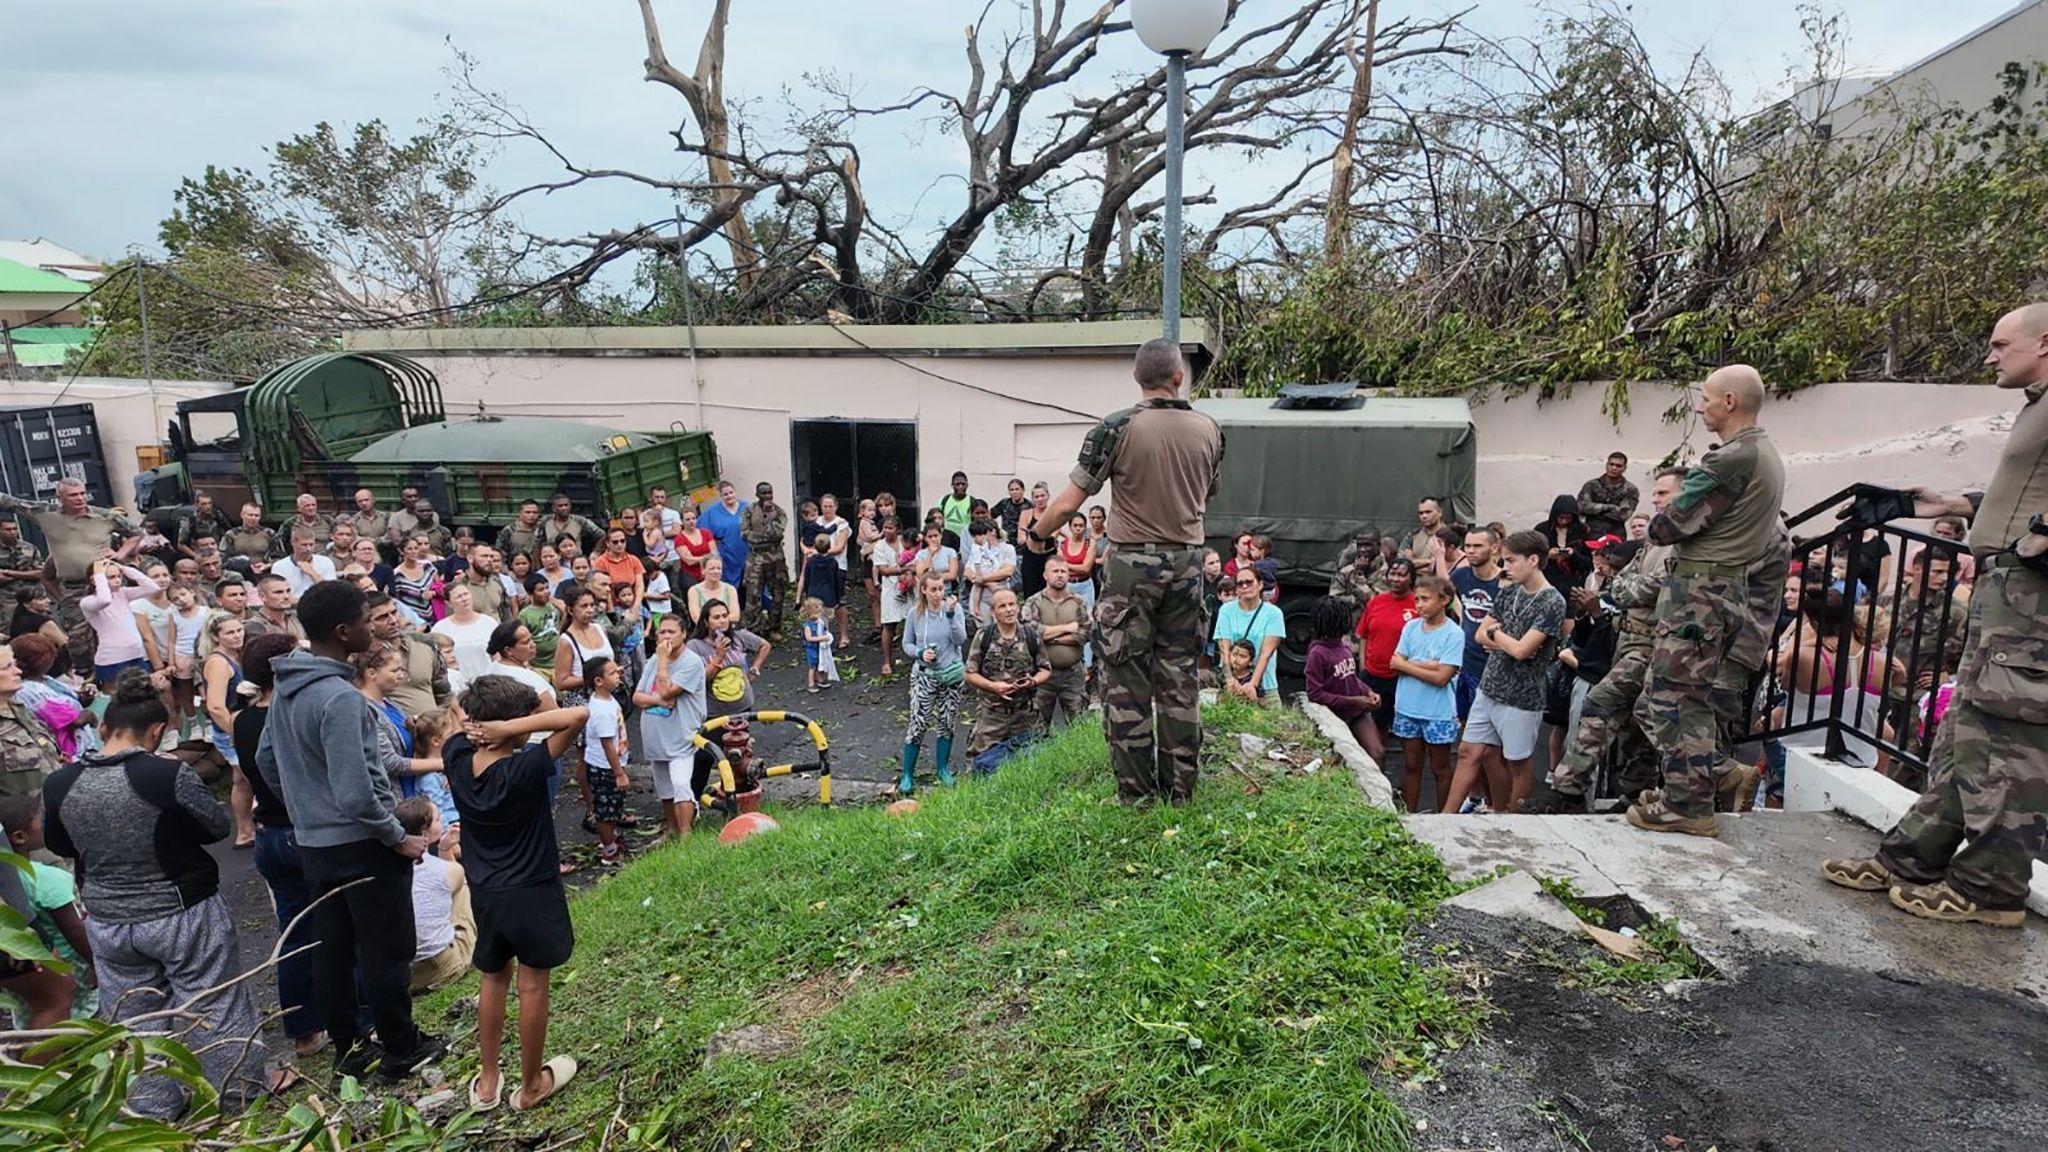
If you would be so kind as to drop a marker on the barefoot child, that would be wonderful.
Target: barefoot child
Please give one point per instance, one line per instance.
(513, 865)
(1426, 663)
(604, 755)
(817, 643)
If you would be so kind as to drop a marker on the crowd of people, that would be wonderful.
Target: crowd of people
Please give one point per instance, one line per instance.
(1554, 627)
(395, 704)
(398, 713)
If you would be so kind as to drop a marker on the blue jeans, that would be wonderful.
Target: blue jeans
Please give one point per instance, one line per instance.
(277, 861)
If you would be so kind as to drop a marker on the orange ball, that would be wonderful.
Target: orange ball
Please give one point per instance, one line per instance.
(902, 808)
(744, 825)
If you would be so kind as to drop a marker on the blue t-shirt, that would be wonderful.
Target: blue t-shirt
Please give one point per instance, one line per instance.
(1445, 645)
(1237, 626)
(1477, 596)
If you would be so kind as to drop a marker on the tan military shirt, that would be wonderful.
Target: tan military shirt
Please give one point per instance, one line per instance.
(1047, 612)
(368, 525)
(75, 541)
(1163, 458)
(258, 544)
(2019, 488)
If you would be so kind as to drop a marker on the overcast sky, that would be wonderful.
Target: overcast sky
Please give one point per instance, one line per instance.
(113, 101)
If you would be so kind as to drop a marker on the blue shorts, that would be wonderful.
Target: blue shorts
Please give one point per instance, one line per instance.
(1408, 727)
(108, 673)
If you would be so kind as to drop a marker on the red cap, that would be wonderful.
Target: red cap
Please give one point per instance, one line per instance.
(1607, 541)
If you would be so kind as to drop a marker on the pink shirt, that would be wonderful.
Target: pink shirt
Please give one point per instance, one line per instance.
(112, 616)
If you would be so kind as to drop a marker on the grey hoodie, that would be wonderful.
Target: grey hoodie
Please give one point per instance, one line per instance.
(319, 751)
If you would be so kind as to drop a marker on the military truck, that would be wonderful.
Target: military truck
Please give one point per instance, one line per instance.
(333, 423)
(1313, 466)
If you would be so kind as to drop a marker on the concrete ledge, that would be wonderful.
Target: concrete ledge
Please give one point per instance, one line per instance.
(1366, 771)
(1814, 783)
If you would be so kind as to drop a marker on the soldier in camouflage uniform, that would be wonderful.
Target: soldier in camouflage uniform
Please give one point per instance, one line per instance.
(1007, 664)
(251, 540)
(28, 753)
(1361, 570)
(1607, 722)
(1163, 458)
(765, 586)
(1724, 522)
(21, 566)
(78, 535)
(1989, 782)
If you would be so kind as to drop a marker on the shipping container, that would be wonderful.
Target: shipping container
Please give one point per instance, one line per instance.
(44, 444)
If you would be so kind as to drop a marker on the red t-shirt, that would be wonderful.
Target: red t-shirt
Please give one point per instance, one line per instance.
(1381, 624)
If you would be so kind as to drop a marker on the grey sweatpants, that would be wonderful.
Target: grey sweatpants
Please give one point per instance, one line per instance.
(164, 963)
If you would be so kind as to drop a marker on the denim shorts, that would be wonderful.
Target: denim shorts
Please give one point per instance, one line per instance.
(1408, 727)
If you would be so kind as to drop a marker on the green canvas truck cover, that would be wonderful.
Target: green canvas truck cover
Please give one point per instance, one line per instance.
(1310, 478)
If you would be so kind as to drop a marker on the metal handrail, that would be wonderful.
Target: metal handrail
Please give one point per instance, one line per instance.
(1885, 721)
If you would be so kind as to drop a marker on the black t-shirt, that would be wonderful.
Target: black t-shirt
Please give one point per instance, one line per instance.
(26, 622)
(270, 809)
(508, 839)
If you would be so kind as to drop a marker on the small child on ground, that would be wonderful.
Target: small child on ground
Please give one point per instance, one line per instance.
(513, 865)
(1426, 663)
(430, 732)
(57, 921)
(817, 646)
(604, 755)
(443, 924)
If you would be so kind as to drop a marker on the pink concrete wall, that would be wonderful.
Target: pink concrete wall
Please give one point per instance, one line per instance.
(1831, 436)
(1012, 415)
(1011, 422)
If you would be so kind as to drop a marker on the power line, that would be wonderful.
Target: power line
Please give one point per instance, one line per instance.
(842, 330)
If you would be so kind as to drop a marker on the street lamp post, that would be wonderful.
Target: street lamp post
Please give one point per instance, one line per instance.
(1177, 29)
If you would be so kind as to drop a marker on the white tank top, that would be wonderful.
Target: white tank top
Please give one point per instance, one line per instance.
(433, 907)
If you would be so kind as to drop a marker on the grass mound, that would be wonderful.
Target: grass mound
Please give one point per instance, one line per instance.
(1017, 965)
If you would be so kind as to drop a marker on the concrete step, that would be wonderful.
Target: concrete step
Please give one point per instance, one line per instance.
(1756, 888)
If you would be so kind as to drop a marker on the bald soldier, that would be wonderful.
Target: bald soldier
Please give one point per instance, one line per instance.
(1724, 522)
(1162, 459)
(1989, 782)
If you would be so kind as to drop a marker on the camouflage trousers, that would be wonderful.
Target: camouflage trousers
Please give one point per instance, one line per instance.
(1690, 689)
(1062, 698)
(998, 722)
(764, 592)
(1148, 631)
(71, 618)
(1989, 780)
(1607, 726)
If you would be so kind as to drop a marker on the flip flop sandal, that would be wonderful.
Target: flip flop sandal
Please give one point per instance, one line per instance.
(477, 1103)
(287, 1079)
(560, 1070)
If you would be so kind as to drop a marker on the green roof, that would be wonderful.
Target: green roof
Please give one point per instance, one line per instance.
(53, 335)
(41, 355)
(16, 277)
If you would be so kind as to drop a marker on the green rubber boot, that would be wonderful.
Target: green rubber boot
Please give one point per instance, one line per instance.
(908, 783)
(944, 753)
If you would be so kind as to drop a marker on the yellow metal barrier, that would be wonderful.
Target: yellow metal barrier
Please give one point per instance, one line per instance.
(704, 737)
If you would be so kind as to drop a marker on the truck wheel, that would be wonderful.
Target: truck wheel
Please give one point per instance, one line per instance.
(1296, 604)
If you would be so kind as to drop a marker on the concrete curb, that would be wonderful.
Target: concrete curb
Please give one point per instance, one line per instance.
(1818, 784)
(1371, 781)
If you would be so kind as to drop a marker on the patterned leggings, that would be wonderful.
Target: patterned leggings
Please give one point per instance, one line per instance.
(932, 705)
